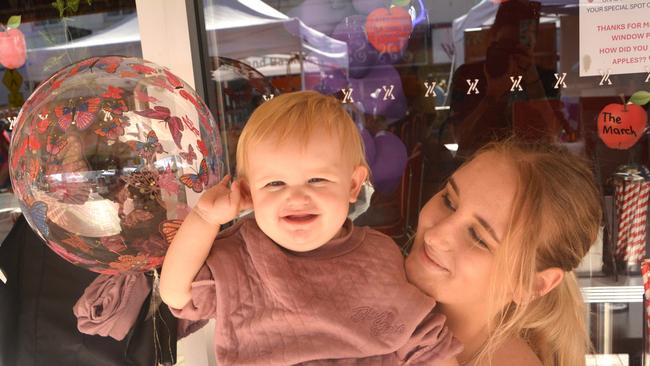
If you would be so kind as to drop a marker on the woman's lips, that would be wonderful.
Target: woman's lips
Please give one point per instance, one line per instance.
(432, 260)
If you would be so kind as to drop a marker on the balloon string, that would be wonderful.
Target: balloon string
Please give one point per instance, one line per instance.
(154, 305)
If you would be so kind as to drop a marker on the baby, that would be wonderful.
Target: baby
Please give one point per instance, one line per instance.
(299, 283)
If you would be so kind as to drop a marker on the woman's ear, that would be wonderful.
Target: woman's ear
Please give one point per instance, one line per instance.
(359, 176)
(547, 280)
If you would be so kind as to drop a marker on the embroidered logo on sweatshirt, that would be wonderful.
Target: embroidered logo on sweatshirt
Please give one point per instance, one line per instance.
(380, 322)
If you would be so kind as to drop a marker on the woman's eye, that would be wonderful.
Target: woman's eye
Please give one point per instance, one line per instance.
(275, 184)
(477, 238)
(447, 202)
(317, 180)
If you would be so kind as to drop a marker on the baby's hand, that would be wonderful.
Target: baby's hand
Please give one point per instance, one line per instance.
(220, 204)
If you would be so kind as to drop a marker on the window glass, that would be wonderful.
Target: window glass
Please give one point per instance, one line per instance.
(428, 82)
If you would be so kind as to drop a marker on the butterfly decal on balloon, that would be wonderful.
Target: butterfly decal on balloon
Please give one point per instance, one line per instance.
(197, 181)
(202, 148)
(108, 64)
(190, 126)
(38, 213)
(113, 92)
(188, 156)
(66, 170)
(169, 228)
(142, 69)
(201, 108)
(114, 243)
(80, 66)
(82, 114)
(148, 148)
(44, 121)
(168, 182)
(174, 123)
(143, 97)
(112, 130)
(55, 144)
(173, 81)
(136, 217)
(112, 126)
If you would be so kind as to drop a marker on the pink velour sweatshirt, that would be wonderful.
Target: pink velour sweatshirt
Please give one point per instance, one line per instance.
(346, 303)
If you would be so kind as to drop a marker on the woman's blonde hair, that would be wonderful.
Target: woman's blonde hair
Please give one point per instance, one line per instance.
(555, 219)
(296, 117)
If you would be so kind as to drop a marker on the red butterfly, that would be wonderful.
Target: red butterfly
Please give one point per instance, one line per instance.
(141, 96)
(19, 153)
(128, 74)
(114, 243)
(175, 82)
(142, 69)
(137, 216)
(167, 181)
(197, 103)
(113, 129)
(54, 146)
(56, 84)
(190, 125)
(169, 228)
(148, 148)
(33, 142)
(78, 244)
(202, 148)
(161, 82)
(70, 157)
(82, 114)
(109, 64)
(82, 65)
(32, 167)
(174, 123)
(113, 92)
(197, 181)
(189, 156)
(44, 122)
(117, 107)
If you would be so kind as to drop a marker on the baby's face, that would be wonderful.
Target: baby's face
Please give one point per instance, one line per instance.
(301, 194)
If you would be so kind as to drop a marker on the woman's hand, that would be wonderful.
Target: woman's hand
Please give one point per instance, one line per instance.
(220, 204)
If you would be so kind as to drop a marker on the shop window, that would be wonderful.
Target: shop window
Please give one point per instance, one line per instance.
(448, 77)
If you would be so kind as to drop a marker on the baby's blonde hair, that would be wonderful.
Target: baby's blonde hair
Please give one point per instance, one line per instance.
(296, 117)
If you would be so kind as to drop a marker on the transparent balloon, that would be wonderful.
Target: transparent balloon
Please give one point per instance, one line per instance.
(106, 159)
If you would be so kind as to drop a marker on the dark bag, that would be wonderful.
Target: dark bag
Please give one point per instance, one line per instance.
(37, 326)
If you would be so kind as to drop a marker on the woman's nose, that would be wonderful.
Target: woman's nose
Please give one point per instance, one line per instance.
(440, 236)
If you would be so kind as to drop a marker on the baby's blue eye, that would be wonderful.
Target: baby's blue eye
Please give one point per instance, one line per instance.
(276, 183)
(317, 180)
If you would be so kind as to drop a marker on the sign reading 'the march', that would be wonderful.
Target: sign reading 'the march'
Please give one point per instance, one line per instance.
(614, 36)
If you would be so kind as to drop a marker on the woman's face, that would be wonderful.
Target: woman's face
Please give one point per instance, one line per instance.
(460, 229)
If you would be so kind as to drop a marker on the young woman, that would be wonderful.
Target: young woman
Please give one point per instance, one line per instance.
(497, 246)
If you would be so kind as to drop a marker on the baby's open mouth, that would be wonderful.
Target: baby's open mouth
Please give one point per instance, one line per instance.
(300, 218)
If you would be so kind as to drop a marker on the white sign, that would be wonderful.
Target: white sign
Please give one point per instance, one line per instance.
(614, 37)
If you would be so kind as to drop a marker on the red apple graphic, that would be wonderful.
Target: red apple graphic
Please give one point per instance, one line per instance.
(12, 48)
(388, 30)
(621, 126)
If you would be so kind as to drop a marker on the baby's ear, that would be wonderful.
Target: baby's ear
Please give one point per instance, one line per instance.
(245, 192)
(359, 176)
